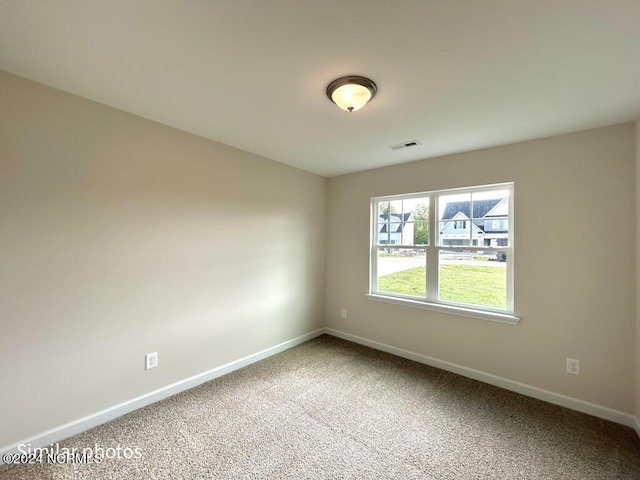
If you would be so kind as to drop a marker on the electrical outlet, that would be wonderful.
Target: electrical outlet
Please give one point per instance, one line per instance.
(573, 366)
(344, 313)
(151, 360)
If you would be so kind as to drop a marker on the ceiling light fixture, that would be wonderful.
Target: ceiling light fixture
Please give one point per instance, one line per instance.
(351, 92)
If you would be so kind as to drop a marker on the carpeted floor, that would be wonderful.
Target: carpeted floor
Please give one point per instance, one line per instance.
(333, 409)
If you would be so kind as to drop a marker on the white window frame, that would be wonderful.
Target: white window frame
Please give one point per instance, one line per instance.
(433, 249)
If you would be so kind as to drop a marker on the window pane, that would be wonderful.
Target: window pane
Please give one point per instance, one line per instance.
(421, 233)
(392, 227)
(403, 222)
(382, 223)
(491, 215)
(473, 278)
(395, 232)
(402, 271)
(474, 219)
(455, 233)
(416, 213)
(395, 206)
(454, 215)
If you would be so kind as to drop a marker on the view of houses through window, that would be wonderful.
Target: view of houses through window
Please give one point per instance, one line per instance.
(465, 260)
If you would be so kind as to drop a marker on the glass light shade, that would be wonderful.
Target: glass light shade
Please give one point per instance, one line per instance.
(351, 92)
(351, 97)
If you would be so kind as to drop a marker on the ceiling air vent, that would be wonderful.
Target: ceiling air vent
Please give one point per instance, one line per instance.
(403, 145)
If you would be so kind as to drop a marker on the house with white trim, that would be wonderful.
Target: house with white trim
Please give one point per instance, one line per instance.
(478, 223)
(396, 228)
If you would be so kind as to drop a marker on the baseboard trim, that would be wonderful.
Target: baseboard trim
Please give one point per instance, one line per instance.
(524, 389)
(85, 423)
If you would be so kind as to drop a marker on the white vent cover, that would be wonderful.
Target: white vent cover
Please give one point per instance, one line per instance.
(403, 145)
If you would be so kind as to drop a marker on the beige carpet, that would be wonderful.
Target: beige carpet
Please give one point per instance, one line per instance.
(333, 409)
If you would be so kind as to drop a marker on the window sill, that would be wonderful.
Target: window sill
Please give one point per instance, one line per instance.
(466, 312)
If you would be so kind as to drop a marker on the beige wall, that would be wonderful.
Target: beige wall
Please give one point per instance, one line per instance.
(574, 269)
(119, 237)
(637, 410)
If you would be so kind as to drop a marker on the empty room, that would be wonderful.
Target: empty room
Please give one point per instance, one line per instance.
(300, 239)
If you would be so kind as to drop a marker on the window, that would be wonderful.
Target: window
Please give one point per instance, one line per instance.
(452, 250)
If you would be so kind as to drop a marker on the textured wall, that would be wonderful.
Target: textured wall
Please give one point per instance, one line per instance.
(574, 264)
(119, 237)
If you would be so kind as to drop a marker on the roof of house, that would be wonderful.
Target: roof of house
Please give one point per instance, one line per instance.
(400, 218)
(480, 208)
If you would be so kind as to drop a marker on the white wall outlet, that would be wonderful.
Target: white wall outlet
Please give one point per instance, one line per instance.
(151, 360)
(344, 313)
(573, 366)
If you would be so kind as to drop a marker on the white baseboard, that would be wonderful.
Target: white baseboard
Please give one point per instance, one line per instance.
(534, 392)
(82, 424)
(78, 426)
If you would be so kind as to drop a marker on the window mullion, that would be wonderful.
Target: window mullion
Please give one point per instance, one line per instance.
(432, 257)
(373, 255)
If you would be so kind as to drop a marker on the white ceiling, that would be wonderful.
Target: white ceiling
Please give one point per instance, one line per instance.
(457, 75)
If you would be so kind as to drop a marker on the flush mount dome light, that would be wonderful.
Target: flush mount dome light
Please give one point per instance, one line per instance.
(352, 92)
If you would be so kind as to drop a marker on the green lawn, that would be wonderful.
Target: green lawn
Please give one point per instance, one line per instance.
(476, 285)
